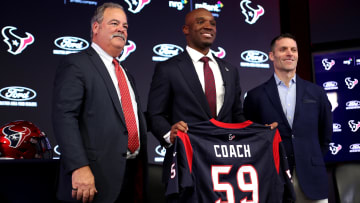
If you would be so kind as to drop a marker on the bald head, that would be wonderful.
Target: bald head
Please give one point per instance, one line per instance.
(193, 13)
(200, 30)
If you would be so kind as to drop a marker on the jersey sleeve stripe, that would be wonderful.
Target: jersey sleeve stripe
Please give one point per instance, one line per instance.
(276, 142)
(188, 148)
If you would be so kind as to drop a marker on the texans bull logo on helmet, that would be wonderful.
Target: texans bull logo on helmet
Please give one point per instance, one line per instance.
(15, 137)
(23, 140)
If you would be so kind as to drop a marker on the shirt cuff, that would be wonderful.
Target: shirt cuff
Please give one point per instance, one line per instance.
(167, 139)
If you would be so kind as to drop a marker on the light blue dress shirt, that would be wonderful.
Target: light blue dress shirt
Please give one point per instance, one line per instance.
(287, 97)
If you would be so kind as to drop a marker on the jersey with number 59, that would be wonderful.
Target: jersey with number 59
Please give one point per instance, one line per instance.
(223, 162)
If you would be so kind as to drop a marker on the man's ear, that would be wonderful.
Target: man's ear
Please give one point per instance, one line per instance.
(95, 27)
(271, 56)
(185, 29)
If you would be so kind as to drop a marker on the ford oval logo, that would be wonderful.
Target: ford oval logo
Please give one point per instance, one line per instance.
(16, 93)
(330, 84)
(355, 146)
(160, 150)
(254, 56)
(56, 150)
(353, 103)
(167, 50)
(71, 43)
(336, 126)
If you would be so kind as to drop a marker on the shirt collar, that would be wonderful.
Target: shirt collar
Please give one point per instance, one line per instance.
(196, 55)
(279, 82)
(104, 56)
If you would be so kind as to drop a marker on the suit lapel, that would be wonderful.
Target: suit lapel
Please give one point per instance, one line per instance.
(300, 90)
(100, 67)
(226, 77)
(273, 94)
(187, 69)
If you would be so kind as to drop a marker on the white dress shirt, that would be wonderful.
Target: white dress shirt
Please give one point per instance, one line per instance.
(199, 68)
(107, 60)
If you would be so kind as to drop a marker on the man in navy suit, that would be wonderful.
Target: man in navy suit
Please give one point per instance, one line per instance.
(177, 90)
(304, 118)
(90, 123)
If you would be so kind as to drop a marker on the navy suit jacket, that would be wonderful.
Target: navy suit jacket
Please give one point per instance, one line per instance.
(89, 125)
(176, 94)
(308, 140)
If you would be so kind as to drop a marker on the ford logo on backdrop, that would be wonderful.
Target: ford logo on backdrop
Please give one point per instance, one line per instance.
(160, 151)
(253, 56)
(71, 43)
(254, 59)
(165, 51)
(330, 85)
(17, 93)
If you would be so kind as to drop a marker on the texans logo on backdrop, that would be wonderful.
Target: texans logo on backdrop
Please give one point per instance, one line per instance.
(16, 44)
(15, 137)
(220, 54)
(354, 126)
(327, 64)
(351, 83)
(334, 149)
(135, 6)
(251, 14)
(128, 49)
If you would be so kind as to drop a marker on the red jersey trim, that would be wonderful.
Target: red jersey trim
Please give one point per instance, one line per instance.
(230, 125)
(276, 153)
(188, 148)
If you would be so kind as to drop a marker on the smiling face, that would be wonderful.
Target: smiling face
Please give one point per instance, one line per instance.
(111, 33)
(200, 30)
(284, 55)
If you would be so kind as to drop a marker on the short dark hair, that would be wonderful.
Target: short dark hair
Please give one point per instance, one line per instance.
(281, 36)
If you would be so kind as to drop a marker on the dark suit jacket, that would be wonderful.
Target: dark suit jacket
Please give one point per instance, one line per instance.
(89, 125)
(308, 140)
(176, 94)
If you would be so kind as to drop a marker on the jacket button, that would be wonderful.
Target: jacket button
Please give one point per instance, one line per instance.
(292, 136)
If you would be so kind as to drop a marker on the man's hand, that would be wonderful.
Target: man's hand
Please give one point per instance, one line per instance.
(182, 126)
(273, 125)
(83, 184)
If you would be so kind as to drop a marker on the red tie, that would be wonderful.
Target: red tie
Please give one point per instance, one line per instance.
(133, 142)
(210, 90)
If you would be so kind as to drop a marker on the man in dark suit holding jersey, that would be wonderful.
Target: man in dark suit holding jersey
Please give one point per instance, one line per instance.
(193, 86)
(97, 119)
